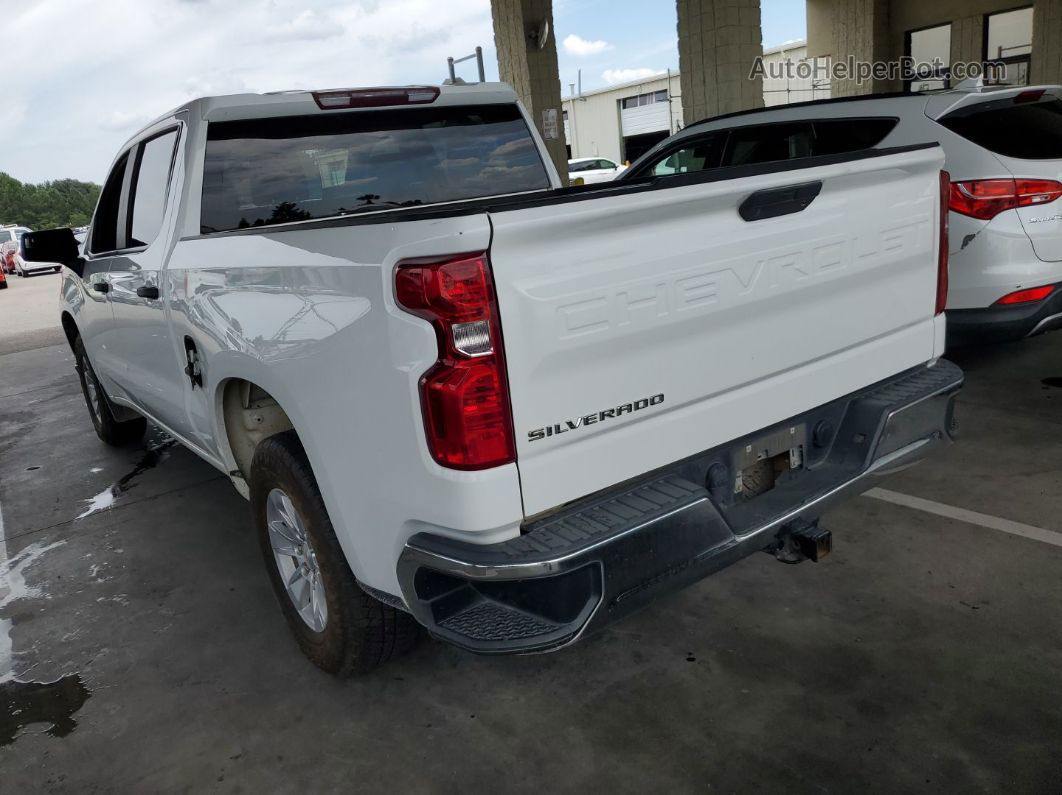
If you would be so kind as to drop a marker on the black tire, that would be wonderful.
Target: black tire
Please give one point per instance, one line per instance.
(110, 430)
(360, 632)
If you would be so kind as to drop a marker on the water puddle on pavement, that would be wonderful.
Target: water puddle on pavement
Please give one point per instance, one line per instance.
(1053, 381)
(23, 704)
(106, 498)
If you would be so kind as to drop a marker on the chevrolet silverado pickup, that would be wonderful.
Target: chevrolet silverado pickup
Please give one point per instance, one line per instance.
(460, 396)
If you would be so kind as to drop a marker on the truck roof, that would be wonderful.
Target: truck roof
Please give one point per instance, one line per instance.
(298, 102)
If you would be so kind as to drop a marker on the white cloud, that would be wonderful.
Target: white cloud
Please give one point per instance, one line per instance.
(68, 107)
(613, 76)
(576, 45)
(307, 26)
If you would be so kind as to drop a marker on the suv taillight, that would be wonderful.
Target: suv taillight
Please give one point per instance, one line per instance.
(986, 198)
(465, 398)
(942, 245)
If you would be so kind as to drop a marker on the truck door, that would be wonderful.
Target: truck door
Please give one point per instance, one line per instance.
(93, 314)
(141, 337)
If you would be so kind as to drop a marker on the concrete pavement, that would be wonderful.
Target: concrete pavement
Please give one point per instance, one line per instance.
(924, 653)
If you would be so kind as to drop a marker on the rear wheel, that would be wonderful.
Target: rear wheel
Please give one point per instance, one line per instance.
(342, 629)
(110, 430)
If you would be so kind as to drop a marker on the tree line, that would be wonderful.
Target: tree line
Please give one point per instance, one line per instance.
(64, 202)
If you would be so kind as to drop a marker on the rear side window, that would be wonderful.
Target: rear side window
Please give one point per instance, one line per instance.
(105, 221)
(768, 143)
(151, 181)
(270, 171)
(1026, 130)
(836, 136)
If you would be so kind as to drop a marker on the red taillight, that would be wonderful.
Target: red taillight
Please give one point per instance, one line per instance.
(465, 397)
(986, 198)
(375, 97)
(942, 244)
(1027, 296)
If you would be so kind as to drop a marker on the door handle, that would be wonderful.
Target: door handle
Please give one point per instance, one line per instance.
(779, 201)
(147, 292)
(101, 287)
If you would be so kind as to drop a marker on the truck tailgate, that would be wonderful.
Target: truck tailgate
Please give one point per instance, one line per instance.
(647, 324)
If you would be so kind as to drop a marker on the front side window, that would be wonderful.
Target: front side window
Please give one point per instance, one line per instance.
(269, 171)
(151, 182)
(1012, 127)
(698, 155)
(105, 235)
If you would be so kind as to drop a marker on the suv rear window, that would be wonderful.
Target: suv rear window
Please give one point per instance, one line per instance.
(1028, 130)
(270, 171)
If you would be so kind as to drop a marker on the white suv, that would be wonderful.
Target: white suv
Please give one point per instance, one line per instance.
(11, 240)
(1003, 148)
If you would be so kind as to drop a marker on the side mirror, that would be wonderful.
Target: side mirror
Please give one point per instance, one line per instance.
(53, 245)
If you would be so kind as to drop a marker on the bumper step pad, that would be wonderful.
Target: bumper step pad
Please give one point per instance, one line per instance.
(583, 566)
(540, 589)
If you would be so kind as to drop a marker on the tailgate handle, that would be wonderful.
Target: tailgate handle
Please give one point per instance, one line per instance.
(779, 201)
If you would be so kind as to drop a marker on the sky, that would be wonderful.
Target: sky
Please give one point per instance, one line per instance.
(80, 76)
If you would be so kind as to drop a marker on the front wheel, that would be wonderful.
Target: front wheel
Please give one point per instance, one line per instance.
(342, 629)
(110, 430)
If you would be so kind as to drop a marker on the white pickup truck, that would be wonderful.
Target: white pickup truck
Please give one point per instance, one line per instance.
(513, 417)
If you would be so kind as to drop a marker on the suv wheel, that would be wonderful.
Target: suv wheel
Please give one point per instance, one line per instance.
(342, 629)
(110, 430)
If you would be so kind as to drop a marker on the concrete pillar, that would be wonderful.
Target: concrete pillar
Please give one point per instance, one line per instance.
(719, 41)
(1045, 66)
(530, 69)
(860, 30)
(968, 40)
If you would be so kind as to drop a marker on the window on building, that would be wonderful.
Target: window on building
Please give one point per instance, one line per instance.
(644, 99)
(930, 49)
(1008, 43)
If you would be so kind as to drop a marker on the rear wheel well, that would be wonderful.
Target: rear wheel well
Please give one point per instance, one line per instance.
(251, 415)
(70, 328)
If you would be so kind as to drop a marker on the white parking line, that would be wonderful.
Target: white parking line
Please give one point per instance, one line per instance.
(971, 517)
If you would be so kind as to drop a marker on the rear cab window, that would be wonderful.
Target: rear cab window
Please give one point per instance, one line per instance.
(1012, 126)
(261, 172)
